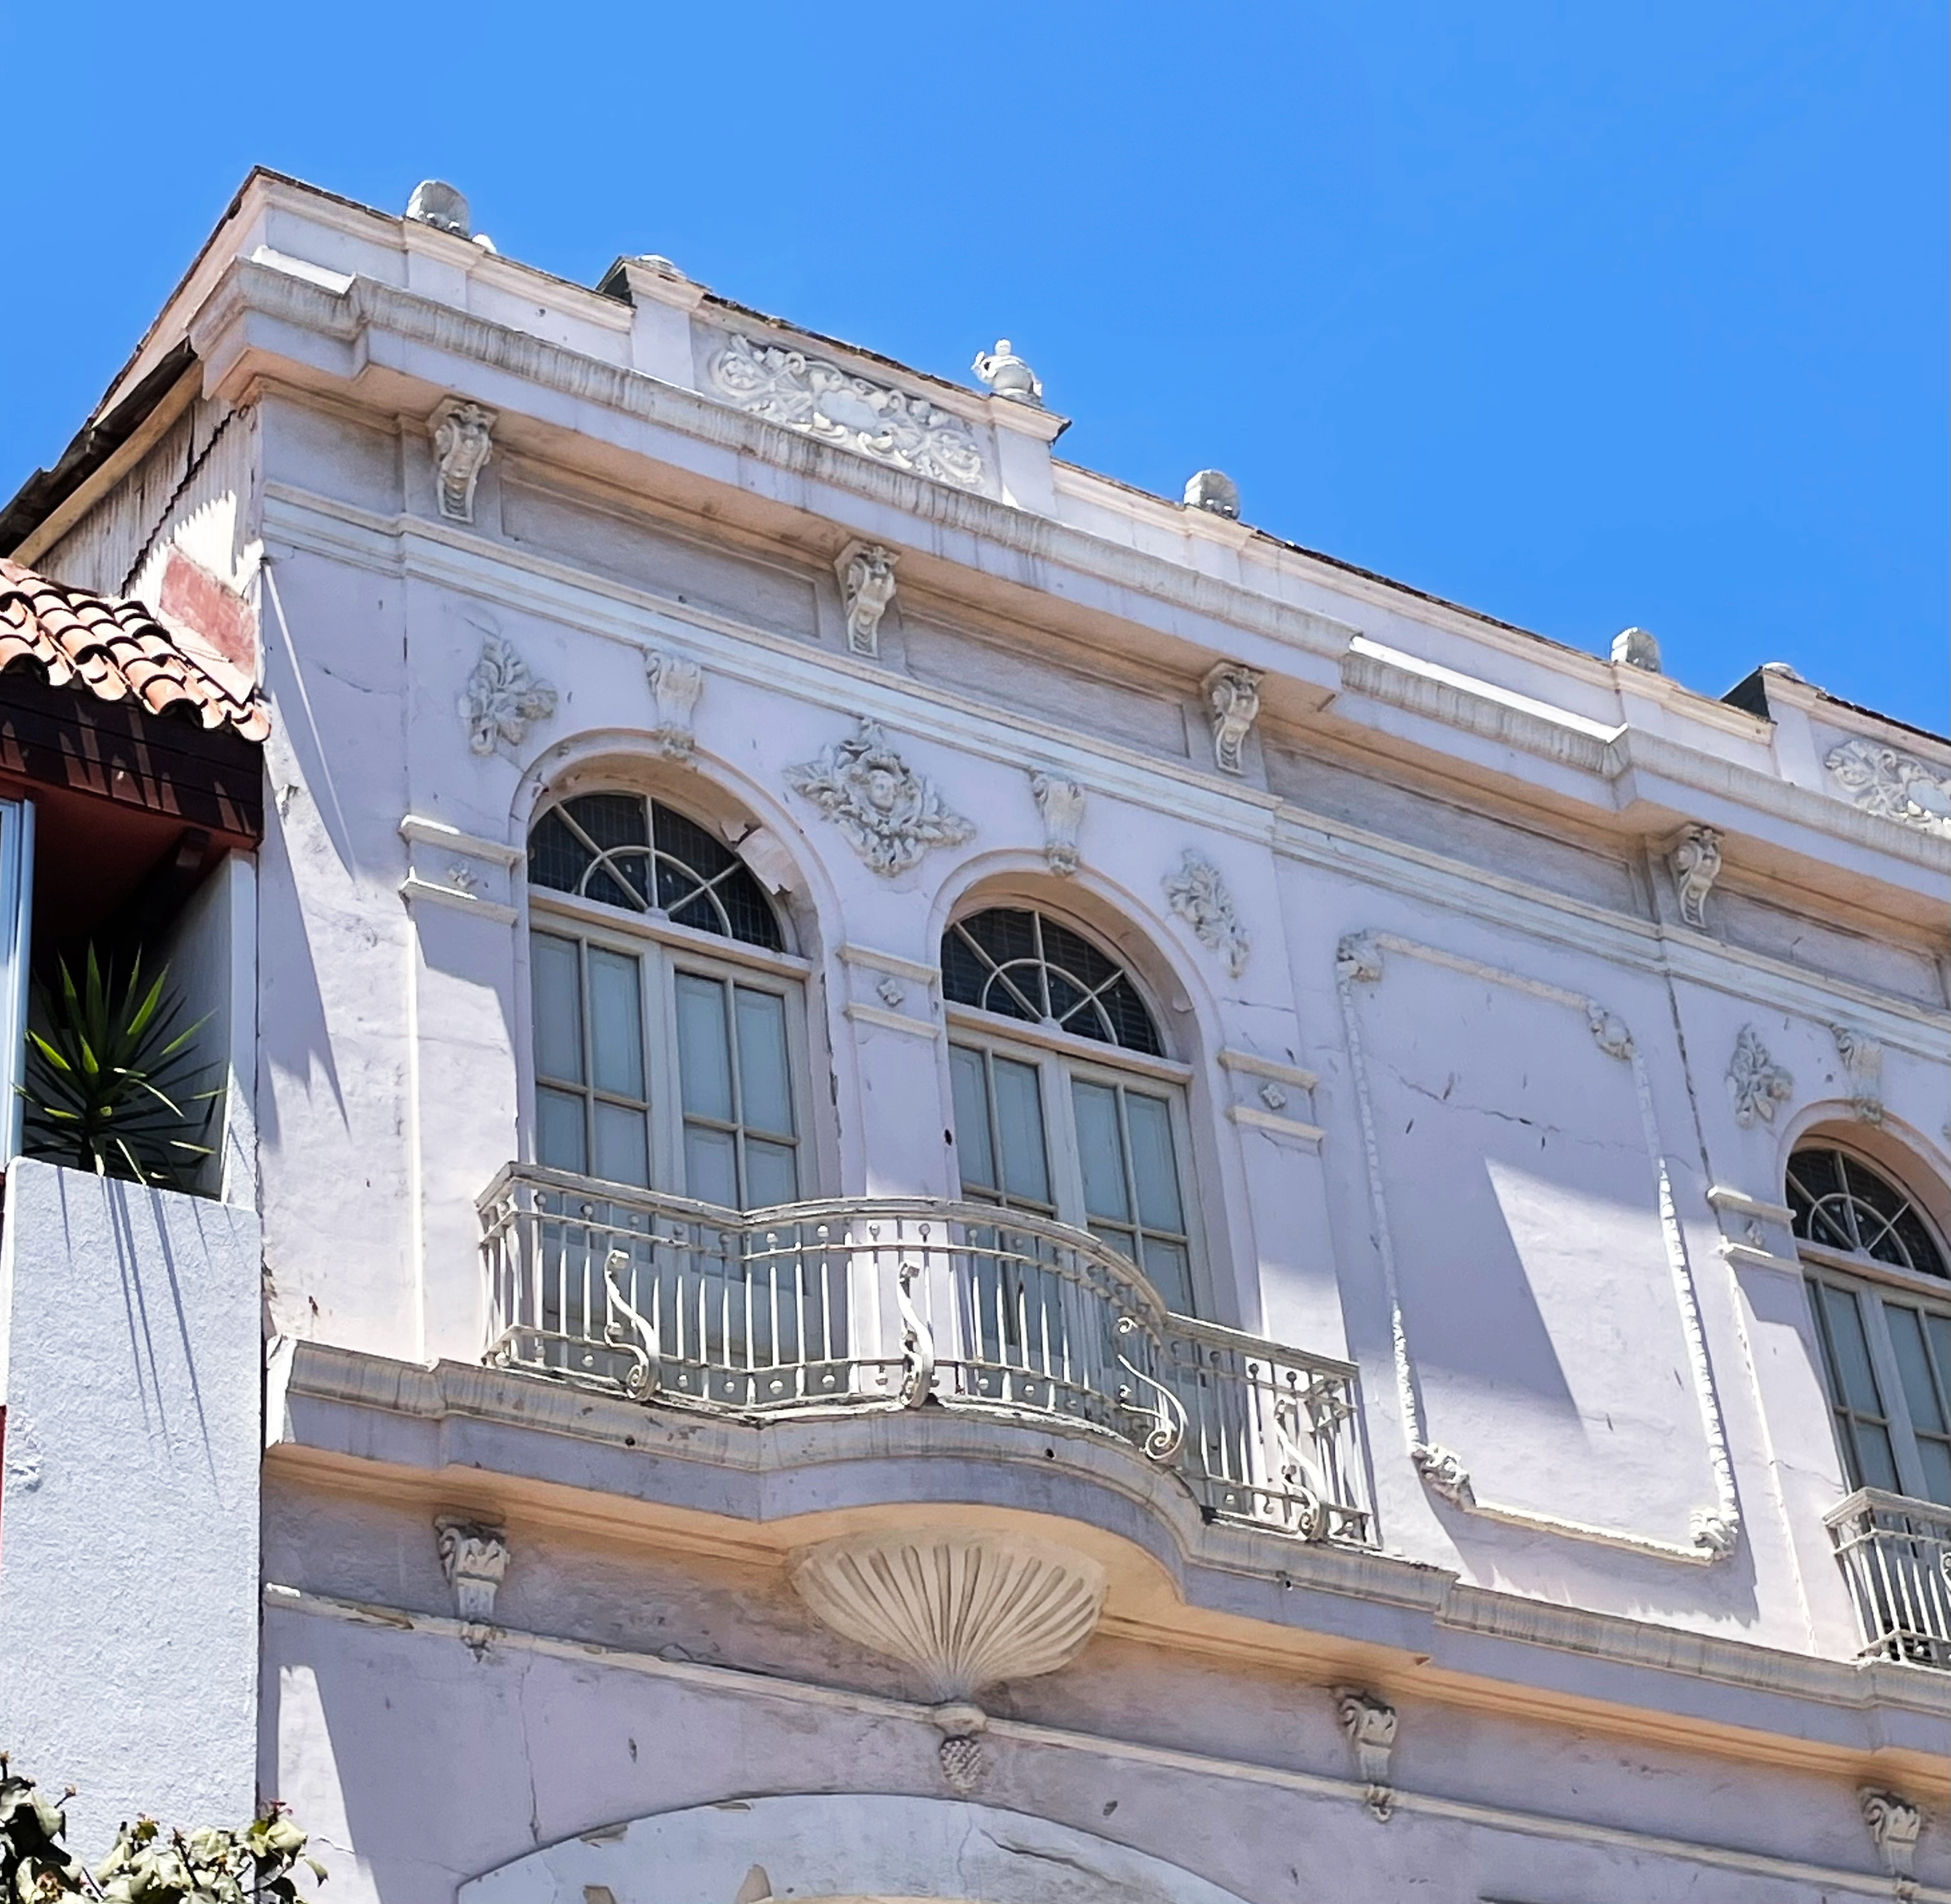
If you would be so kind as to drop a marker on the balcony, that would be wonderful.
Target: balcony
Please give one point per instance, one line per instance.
(882, 1303)
(1896, 1557)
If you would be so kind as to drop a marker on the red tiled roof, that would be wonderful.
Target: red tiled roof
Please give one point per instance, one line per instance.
(116, 651)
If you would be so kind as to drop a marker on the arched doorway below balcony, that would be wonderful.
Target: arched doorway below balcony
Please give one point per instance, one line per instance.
(840, 1848)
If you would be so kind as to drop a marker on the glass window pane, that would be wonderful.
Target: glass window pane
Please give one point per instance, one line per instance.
(974, 1153)
(765, 1095)
(559, 1136)
(1121, 1241)
(703, 1060)
(1019, 1114)
(1874, 1459)
(1914, 1370)
(558, 989)
(1857, 1383)
(1100, 1151)
(1154, 1168)
(772, 1174)
(1168, 1272)
(710, 1166)
(1936, 1456)
(615, 1026)
(622, 1154)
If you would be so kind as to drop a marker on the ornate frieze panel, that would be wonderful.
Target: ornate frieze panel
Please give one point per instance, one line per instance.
(1232, 694)
(1560, 1218)
(866, 572)
(1891, 784)
(1756, 1083)
(890, 814)
(501, 698)
(1694, 860)
(1197, 892)
(814, 394)
(464, 440)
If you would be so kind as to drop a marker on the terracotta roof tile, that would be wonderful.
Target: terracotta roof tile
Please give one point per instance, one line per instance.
(116, 650)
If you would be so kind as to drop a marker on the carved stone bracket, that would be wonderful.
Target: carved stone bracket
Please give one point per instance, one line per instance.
(473, 1557)
(1893, 784)
(1756, 1083)
(1061, 804)
(1895, 1826)
(1862, 1058)
(676, 682)
(1608, 1031)
(1443, 1473)
(866, 572)
(816, 396)
(1197, 893)
(1370, 1725)
(962, 1610)
(1694, 860)
(502, 697)
(890, 815)
(462, 436)
(1233, 703)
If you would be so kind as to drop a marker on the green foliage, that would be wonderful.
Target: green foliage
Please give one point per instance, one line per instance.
(111, 1085)
(147, 1865)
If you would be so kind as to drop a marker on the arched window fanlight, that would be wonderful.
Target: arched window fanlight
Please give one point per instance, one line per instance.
(639, 855)
(1841, 1203)
(1024, 965)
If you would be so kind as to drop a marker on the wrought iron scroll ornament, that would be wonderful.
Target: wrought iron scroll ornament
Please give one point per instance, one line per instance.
(1168, 1435)
(890, 815)
(816, 396)
(501, 698)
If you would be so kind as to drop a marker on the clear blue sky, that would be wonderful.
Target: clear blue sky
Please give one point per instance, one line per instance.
(1580, 315)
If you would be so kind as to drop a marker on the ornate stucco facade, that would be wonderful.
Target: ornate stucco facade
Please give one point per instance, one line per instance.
(1282, 1352)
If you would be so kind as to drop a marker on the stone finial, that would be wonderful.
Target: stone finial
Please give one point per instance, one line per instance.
(1635, 649)
(1694, 860)
(462, 436)
(676, 682)
(866, 572)
(1007, 375)
(1370, 1725)
(439, 205)
(474, 1557)
(1214, 492)
(1060, 802)
(1232, 693)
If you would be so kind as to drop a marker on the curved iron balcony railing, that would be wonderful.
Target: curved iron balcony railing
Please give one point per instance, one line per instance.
(867, 1303)
(1896, 1554)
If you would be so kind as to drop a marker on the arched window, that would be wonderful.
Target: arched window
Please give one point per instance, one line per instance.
(662, 1059)
(1064, 1103)
(1882, 1297)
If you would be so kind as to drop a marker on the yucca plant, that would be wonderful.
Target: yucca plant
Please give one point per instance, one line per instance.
(113, 1085)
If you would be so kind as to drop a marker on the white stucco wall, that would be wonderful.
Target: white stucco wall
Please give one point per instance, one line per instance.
(129, 1524)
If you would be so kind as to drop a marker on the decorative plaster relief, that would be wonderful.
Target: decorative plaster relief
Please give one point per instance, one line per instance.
(1694, 860)
(1198, 894)
(891, 991)
(474, 1557)
(890, 814)
(812, 394)
(676, 682)
(866, 572)
(1370, 1724)
(462, 436)
(1061, 804)
(502, 698)
(1714, 1532)
(1895, 1826)
(1756, 1083)
(1862, 1057)
(1892, 785)
(1233, 703)
(1609, 1031)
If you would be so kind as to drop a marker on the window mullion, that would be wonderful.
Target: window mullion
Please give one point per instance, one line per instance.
(1060, 1125)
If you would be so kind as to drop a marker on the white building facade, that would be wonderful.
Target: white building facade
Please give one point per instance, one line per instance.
(974, 1187)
